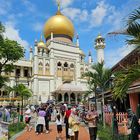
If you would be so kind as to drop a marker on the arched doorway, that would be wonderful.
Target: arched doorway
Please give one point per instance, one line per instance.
(72, 98)
(66, 97)
(59, 97)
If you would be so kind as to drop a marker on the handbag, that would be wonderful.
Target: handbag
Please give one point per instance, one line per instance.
(70, 132)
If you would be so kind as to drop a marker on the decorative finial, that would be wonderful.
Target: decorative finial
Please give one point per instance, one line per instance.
(41, 38)
(58, 4)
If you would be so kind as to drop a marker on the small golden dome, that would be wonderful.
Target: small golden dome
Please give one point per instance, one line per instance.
(99, 36)
(41, 44)
(59, 25)
(82, 53)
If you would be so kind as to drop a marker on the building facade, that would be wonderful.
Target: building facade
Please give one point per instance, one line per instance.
(55, 67)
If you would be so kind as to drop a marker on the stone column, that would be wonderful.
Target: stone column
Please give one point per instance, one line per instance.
(76, 99)
(62, 97)
(69, 98)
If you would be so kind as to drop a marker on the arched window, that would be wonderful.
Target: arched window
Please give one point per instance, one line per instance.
(59, 97)
(72, 97)
(47, 68)
(66, 64)
(59, 65)
(66, 97)
(40, 71)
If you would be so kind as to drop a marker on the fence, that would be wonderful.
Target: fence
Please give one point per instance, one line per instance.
(122, 119)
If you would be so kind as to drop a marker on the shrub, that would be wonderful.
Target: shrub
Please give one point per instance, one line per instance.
(15, 128)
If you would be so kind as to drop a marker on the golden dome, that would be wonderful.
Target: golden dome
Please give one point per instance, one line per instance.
(81, 53)
(41, 44)
(59, 25)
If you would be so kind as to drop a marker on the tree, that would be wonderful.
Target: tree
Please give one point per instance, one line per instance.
(98, 77)
(123, 79)
(127, 76)
(10, 52)
(24, 93)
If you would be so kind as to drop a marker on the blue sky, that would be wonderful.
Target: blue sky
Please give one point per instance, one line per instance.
(24, 21)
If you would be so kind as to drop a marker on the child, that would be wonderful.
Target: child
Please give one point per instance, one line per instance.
(40, 121)
(59, 127)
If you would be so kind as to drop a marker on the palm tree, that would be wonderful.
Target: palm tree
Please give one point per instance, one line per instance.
(98, 77)
(124, 79)
(132, 29)
(24, 93)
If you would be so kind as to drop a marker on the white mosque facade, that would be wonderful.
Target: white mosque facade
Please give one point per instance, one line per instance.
(55, 67)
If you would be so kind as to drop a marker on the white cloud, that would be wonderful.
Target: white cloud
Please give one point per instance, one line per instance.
(75, 14)
(29, 5)
(98, 14)
(38, 26)
(114, 56)
(66, 3)
(4, 7)
(12, 33)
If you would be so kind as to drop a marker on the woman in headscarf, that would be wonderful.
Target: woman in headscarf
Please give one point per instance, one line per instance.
(74, 125)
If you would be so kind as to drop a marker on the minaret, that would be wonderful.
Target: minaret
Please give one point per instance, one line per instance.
(35, 73)
(77, 40)
(31, 53)
(89, 58)
(99, 46)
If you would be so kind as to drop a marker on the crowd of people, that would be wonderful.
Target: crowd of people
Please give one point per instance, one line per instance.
(64, 115)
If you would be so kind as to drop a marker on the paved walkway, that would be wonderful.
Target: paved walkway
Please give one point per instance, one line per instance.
(83, 134)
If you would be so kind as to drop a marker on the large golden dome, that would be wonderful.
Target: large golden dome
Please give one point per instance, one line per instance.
(59, 25)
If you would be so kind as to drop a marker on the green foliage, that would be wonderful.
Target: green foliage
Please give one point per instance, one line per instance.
(107, 134)
(104, 133)
(23, 91)
(14, 128)
(123, 79)
(10, 52)
(97, 77)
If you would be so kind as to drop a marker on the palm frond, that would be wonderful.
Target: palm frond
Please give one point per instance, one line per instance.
(134, 16)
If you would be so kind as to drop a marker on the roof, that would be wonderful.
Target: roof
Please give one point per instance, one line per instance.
(70, 87)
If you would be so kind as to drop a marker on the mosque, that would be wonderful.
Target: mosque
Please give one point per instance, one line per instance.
(55, 66)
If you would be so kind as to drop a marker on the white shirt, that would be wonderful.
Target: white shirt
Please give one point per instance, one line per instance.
(59, 122)
(28, 113)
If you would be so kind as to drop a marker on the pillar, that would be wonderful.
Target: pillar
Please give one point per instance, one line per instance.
(76, 102)
(63, 98)
(69, 98)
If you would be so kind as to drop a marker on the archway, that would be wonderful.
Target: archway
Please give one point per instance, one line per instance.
(72, 98)
(59, 97)
(66, 97)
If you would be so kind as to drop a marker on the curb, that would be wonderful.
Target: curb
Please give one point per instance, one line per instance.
(17, 135)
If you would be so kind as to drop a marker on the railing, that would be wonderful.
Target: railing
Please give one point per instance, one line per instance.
(122, 119)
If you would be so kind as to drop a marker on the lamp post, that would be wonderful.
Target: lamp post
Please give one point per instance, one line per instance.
(114, 119)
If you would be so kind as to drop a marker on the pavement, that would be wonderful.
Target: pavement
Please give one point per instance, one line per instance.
(83, 134)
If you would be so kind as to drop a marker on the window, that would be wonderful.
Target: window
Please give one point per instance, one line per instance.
(17, 72)
(25, 72)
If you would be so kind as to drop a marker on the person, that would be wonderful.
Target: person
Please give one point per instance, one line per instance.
(59, 127)
(47, 117)
(40, 125)
(91, 117)
(67, 115)
(7, 115)
(28, 118)
(62, 110)
(74, 125)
